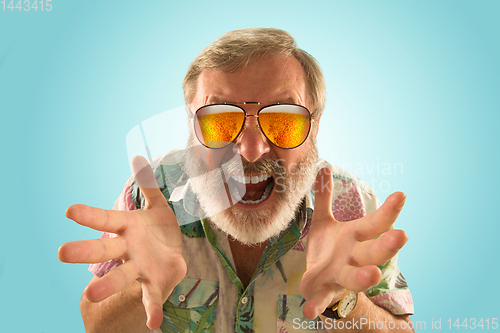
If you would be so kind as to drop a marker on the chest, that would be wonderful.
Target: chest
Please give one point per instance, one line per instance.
(246, 259)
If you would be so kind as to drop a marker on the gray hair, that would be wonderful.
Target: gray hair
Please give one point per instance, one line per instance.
(235, 49)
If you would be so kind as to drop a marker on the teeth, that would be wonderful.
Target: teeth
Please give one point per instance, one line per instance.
(251, 179)
(255, 180)
(266, 193)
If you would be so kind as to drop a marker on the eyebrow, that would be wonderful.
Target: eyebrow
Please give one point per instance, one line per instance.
(217, 100)
(288, 100)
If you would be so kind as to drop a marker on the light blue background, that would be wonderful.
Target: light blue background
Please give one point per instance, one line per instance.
(411, 84)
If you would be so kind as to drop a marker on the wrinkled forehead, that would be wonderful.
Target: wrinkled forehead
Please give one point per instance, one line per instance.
(266, 79)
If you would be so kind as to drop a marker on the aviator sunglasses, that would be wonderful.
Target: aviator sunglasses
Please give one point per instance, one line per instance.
(284, 125)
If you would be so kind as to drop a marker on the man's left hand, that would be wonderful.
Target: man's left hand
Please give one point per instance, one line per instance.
(344, 256)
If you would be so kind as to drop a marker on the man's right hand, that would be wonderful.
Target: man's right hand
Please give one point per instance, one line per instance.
(149, 242)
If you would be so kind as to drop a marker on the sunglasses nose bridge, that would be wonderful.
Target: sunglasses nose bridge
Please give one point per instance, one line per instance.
(252, 143)
(251, 120)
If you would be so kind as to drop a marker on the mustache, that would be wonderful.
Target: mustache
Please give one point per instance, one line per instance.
(265, 166)
(268, 165)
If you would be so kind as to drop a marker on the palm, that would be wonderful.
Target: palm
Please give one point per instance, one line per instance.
(345, 255)
(149, 242)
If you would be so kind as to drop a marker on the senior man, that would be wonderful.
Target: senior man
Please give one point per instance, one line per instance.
(302, 245)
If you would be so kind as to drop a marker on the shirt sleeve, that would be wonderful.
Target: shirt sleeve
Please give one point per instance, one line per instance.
(354, 199)
(125, 203)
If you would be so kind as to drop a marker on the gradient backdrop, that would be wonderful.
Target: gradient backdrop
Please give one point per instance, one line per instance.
(413, 105)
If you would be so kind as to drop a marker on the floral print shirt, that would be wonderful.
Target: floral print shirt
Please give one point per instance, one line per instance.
(211, 297)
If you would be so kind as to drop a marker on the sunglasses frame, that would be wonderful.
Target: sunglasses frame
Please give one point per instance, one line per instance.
(237, 105)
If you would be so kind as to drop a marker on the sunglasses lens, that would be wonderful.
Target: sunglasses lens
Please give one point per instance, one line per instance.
(218, 125)
(286, 126)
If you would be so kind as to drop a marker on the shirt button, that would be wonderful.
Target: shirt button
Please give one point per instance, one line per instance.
(244, 300)
(182, 298)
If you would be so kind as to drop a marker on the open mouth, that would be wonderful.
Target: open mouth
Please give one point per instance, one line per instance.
(257, 187)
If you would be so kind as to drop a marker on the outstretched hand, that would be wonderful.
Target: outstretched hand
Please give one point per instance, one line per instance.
(345, 255)
(149, 242)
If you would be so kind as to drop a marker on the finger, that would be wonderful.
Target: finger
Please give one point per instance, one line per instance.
(151, 298)
(96, 218)
(318, 301)
(328, 287)
(147, 181)
(323, 194)
(379, 251)
(359, 278)
(111, 283)
(92, 251)
(382, 219)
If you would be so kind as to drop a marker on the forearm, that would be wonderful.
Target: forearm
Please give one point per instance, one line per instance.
(121, 312)
(366, 316)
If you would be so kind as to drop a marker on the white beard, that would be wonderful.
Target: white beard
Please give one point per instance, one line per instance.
(258, 226)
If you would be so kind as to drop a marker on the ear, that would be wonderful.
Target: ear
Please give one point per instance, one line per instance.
(316, 122)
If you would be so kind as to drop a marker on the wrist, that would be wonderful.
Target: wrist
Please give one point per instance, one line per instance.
(343, 307)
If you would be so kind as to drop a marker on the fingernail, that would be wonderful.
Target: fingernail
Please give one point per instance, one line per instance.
(402, 203)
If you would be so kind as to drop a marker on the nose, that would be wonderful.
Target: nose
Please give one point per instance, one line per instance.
(251, 142)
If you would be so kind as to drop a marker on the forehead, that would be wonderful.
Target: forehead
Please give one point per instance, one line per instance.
(267, 79)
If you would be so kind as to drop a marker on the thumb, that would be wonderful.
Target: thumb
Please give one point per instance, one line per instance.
(319, 300)
(323, 194)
